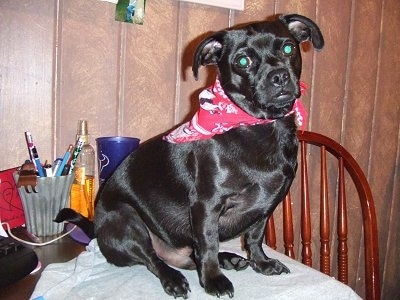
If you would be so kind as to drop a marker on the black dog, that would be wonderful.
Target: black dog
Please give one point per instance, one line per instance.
(175, 198)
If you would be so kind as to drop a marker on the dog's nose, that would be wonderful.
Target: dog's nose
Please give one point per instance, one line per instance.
(279, 77)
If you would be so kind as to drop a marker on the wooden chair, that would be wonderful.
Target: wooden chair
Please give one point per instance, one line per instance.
(328, 209)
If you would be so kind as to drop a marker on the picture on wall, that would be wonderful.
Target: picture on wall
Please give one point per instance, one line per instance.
(130, 11)
(232, 4)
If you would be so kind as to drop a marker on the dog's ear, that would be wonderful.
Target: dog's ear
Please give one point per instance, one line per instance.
(208, 52)
(304, 29)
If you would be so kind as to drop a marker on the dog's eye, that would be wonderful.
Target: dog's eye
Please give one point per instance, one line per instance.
(243, 61)
(288, 49)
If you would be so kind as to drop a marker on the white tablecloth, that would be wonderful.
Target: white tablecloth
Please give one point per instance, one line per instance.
(89, 276)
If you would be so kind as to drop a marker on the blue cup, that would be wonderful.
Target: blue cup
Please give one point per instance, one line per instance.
(111, 151)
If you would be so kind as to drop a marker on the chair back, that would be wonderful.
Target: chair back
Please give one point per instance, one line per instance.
(328, 170)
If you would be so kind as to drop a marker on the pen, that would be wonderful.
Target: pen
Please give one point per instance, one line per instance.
(56, 165)
(33, 153)
(48, 170)
(77, 150)
(65, 159)
(68, 164)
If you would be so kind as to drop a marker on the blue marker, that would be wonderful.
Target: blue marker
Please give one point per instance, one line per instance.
(65, 159)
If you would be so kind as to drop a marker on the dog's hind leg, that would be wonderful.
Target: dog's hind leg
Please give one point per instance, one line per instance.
(131, 244)
(232, 261)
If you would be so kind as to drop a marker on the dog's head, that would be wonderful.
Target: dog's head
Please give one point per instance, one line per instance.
(260, 63)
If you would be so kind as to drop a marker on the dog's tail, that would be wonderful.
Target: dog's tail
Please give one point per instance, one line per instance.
(69, 215)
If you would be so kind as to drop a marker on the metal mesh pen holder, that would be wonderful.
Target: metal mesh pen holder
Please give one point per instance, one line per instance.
(42, 203)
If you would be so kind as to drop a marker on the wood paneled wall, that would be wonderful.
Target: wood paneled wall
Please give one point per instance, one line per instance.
(65, 60)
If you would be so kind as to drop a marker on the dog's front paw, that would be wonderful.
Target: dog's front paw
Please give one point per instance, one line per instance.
(219, 286)
(175, 284)
(270, 266)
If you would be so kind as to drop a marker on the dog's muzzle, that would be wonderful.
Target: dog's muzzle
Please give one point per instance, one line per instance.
(279, 77)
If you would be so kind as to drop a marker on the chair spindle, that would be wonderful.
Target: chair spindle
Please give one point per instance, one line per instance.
(306, 252)
(324, 217)
(342, 228)
(288, 236)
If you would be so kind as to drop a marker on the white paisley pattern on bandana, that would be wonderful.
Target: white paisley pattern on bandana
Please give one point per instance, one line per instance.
(218, 114)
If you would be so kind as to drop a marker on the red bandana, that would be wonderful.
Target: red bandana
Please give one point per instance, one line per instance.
(218, 114)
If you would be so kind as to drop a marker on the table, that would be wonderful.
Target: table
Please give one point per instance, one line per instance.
(62, 250)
